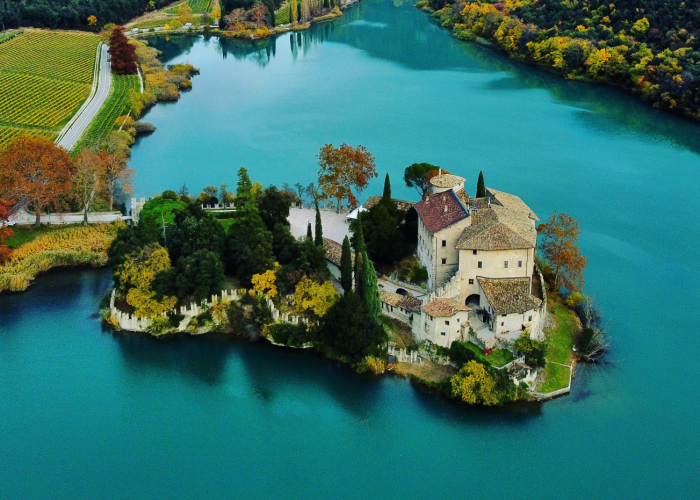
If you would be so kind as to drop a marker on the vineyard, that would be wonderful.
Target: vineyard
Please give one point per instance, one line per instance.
(197, 6)
(116, 105)
(44, 78)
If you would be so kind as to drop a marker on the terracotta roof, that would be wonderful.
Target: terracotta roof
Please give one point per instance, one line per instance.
(403, 205)
(441, 210)
(446, 181)
(502, 226)
(408, 302)
(444, 308)
(463, 196)
(334, 251)
(509, 295)
(511, 202)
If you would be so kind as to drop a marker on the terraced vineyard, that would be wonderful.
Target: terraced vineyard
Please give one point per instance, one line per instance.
(44, 78)
(117, 104)
(197, 6)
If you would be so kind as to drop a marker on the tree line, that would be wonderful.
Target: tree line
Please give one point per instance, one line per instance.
(648, 46)
(72, 14)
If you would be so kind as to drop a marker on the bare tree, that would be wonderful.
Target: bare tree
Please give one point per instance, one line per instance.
(86, 181)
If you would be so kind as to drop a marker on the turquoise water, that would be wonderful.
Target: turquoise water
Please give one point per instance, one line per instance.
(85, 413)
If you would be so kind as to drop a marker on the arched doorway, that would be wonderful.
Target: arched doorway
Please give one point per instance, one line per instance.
(473, 301)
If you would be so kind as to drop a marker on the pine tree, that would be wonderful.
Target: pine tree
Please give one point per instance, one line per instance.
(480, 187)
(319, 229)
(359, 244)
(346, 266)
(387, 188)
(309, 235)
(244, 192)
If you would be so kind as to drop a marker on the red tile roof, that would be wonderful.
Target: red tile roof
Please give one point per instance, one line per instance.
(441, 210)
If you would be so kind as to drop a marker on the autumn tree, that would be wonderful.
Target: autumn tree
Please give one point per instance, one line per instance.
(480, 186)
(415, 176)
(5, 232)
(184, 13)
(36, 170)
(343, 169)
(265, 282)
(293, 12)
(86, 181)
(92, 21)
(313, 299)
(560, 235)
(473, 385)
(123, 53)
(116, 174)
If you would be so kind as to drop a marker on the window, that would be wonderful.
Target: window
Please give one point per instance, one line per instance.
(447, 323)
(444, 243)
(444, 261)
(502, 323)
(471, 281)
(505, 315)
(442, 333)
(530, 319)
(505, 264)
(520, 263)
(478, 264)
(473, 252)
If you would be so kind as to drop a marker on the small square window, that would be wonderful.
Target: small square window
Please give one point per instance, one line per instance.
(471, 281)
(447, 322)
(530, 318)
(444, 243)
(442, 333)
(444, 261)
(473, 252)
(478, 264)
(505, 315)
(520, 263)
(505, 264)
(502, 323)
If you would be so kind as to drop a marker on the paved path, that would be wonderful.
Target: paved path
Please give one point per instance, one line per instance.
(79, 123)
(334, 225)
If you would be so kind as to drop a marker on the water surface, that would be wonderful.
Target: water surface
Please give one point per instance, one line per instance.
(87, 414)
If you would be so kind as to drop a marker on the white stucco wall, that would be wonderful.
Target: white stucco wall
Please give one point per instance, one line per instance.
(493, 266)
(438, 332)
(431, 252)
(502, 324)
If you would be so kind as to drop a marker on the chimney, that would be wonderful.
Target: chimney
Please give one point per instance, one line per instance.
(427, 199)
(439, 172)
(445, 209)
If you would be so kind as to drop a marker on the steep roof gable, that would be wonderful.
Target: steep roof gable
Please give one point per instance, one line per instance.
(509, 295)
(441, 210)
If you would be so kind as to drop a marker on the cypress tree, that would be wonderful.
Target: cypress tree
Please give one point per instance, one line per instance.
(359, 250)
(370, 290)
(308, 232)
(319, 228)
(480, 187)
(387, 187)
(346, 266)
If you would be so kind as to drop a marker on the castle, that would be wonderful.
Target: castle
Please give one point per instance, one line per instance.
(483, 284)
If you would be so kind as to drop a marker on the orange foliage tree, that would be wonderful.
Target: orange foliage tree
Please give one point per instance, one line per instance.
(343, 169)
(35, 170)
(86, 182)
(560, 234)
(5, 232)
(117, 175)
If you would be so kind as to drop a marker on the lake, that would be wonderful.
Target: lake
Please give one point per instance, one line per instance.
(86, 413)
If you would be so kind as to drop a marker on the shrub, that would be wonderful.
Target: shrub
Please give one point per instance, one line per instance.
(371, 364)
(290, 334)
(144, 128)
(422, 3)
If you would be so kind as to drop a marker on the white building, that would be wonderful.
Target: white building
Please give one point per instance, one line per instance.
(479, 253)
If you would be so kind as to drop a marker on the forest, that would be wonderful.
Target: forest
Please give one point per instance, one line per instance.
(650, 47)
(72, 14)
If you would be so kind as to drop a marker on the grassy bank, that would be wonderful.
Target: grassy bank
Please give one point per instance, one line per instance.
(45, 248)
(560, 341)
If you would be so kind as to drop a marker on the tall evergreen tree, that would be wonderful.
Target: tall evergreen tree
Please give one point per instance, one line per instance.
(244, 191)
(319, 228)
(387, 187)
(359, 244)
(309, 235)
(480, 186)
(346, 266)
(370, 290)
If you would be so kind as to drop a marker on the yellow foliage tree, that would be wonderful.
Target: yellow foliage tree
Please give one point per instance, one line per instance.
(92, 21)
(137, 274)
(184, 13)
(473, 385)
(313, 299)
(265, 282)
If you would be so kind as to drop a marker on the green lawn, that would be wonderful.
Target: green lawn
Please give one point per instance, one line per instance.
(499, 357)
(560, 341)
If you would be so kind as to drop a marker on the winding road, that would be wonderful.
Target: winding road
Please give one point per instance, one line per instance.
(76, 126)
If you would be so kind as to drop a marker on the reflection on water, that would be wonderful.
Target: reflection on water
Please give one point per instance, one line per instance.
(412, 39)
